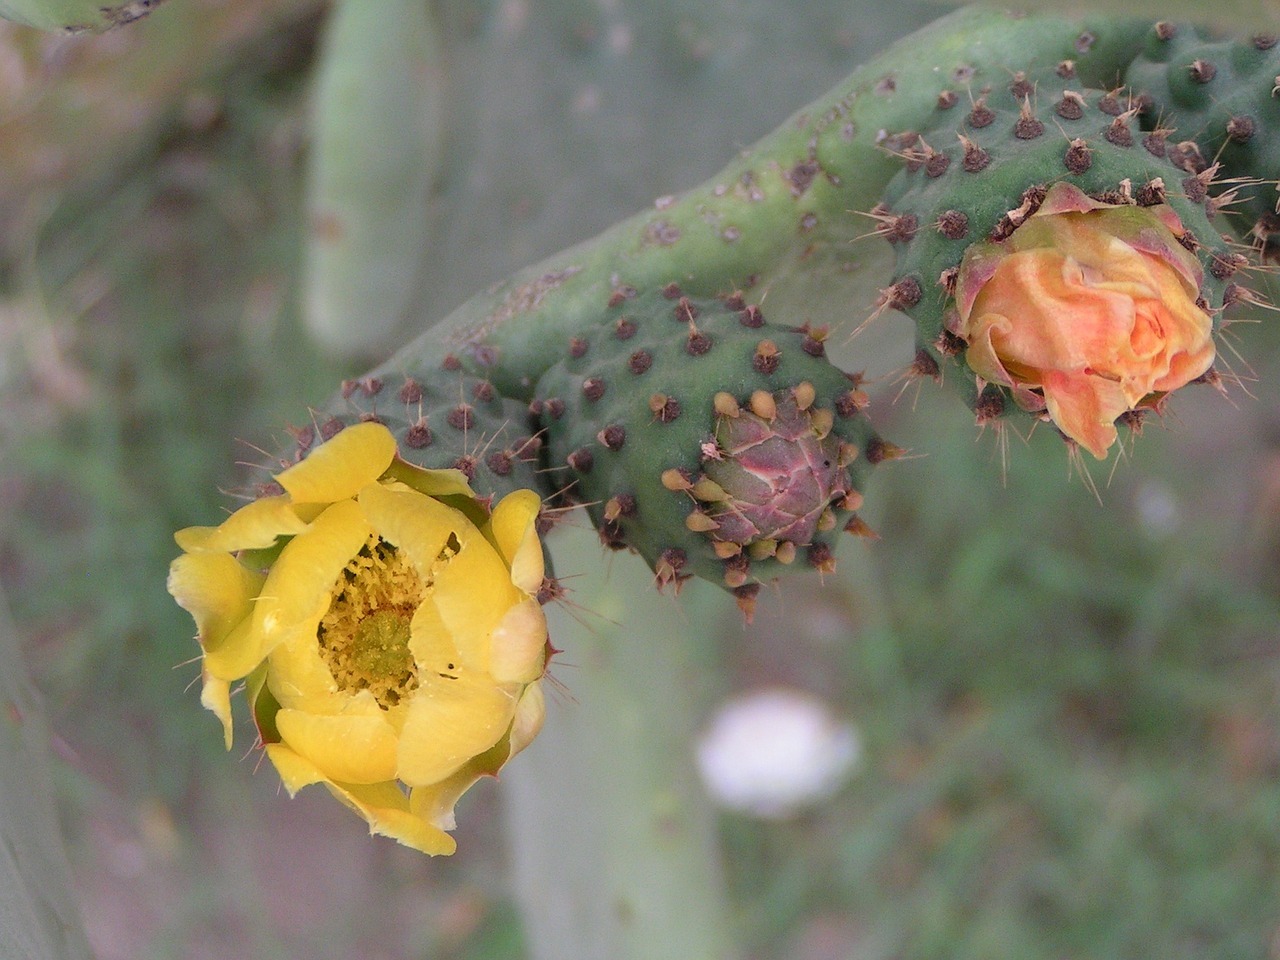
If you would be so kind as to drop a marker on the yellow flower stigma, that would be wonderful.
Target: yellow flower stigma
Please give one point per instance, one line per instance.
(385, 624)
(1087, 311)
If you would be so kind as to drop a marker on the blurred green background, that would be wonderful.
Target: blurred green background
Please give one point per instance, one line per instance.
(1070, 703)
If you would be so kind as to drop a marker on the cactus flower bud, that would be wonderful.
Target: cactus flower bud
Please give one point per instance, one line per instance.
(386, 624)
(1086, 311)
(775, 476)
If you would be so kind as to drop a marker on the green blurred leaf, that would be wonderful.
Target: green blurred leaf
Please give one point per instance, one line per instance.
(377, 144)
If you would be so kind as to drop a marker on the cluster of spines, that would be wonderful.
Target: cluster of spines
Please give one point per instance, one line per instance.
(635, 412)
(442, 419)
(1226, 95)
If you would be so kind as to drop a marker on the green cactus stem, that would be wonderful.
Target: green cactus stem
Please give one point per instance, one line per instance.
(375, 152)
(779, 215)
(614, 850)
(780, 212)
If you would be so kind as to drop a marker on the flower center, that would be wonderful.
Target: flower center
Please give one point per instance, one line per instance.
(364, 635)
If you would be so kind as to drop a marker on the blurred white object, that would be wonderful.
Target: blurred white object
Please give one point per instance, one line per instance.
(1159, 512)
(771, 752)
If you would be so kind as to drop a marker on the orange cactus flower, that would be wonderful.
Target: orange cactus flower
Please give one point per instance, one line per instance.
(386, 625)
(1087, 311)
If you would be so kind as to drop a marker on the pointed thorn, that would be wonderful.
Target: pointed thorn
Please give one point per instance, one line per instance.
(858, 527)
(746, 597)
(878, 451)
(676, 480)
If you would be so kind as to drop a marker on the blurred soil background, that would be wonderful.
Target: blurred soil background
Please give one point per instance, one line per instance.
(1070, 705)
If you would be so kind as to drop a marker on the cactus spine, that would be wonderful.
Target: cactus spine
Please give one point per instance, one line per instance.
(1224, 98)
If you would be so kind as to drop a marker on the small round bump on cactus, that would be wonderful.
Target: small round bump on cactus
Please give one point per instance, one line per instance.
(727, 461)
(387, 625)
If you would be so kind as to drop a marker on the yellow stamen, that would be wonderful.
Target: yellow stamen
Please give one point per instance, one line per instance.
(364, 635)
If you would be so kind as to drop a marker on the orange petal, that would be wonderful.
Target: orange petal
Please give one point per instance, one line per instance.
(1085, 408)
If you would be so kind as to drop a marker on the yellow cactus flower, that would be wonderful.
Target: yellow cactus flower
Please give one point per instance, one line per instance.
(1088, 310)
(387, 627)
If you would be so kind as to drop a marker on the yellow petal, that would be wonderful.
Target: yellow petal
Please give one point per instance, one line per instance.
(416, 524)
(435, 803)
(216, 589)
(252, 527)
(448, 722)
(518, 647)
(473, 593)
(512, 528)
(295, 770)
(339, 467)
(239, 653)
(384, 806)
(216, 696)
(351, 748)
(472, 590)
(531, 712)
(433, 483)
(299, 586)
(300, 679)
(433, 648)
